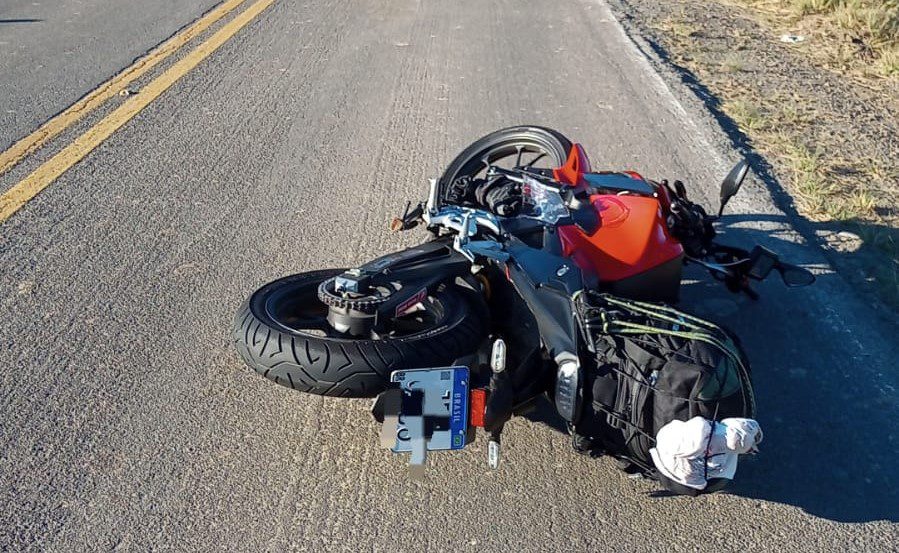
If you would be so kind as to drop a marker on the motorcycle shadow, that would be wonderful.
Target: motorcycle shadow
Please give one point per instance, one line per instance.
(824, 384)
(824, 381)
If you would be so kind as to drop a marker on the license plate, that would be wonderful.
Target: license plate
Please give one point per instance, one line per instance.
(433, 408)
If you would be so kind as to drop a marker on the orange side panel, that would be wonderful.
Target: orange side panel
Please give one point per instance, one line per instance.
(576, 164)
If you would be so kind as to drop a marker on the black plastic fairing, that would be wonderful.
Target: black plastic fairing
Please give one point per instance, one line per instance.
(661, 283)
(546, 282)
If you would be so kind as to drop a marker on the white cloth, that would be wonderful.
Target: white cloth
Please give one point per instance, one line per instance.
(697, 450)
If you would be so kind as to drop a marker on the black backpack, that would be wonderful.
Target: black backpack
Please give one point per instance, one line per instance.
(655, 364)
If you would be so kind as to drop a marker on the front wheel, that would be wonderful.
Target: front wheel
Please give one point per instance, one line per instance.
(282, 333)
(526, 146)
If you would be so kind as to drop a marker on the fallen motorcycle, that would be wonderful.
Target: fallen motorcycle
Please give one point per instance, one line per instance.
(540, 279)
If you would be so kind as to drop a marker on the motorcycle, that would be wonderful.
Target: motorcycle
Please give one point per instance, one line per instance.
(481, 320)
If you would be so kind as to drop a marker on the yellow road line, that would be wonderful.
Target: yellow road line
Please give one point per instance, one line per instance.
(43, 176)
(17, 152)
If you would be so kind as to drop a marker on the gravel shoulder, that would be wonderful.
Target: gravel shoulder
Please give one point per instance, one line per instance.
(825, 139)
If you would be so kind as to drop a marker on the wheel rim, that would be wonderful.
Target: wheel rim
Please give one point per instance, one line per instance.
(509, 154)
(514, 156)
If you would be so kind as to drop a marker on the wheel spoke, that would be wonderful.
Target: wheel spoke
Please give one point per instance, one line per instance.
(513, 150)
(536, 159)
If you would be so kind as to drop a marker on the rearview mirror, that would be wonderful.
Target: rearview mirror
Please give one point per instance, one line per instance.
(795, 276)
(732, 183)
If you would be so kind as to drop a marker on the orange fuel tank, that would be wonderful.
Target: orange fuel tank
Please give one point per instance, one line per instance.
(632, 238)
(631, 253)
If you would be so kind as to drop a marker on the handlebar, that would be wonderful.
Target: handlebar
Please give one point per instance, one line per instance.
(553, 203)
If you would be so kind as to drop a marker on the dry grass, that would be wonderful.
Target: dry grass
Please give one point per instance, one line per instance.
(875, 20)
(860, 36)
(820, 193)
(874, 28)
(888, 63)
(746, 114)
(877, 25)
(813, 191)
(733, 63)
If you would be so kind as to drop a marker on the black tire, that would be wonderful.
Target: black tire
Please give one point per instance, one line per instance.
(343, 366)
(467, 163)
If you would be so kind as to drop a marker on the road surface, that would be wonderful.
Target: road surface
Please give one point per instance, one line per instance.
(127, 421)
(54, 52)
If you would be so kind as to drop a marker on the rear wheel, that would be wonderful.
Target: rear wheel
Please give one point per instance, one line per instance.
(282, 332)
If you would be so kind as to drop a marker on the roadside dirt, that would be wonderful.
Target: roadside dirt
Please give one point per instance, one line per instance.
(830, 137)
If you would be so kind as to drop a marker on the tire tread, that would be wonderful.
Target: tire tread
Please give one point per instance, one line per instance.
(365, 367)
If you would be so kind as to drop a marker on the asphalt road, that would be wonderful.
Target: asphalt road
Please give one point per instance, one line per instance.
(128, 422)
(54, 52)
